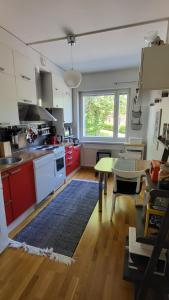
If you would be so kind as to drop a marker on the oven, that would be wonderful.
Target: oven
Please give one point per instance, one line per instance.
(59, 161)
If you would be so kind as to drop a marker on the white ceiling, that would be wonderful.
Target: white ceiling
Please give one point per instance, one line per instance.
(33, 20)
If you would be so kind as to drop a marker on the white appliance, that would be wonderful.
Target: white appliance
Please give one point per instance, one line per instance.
(3, 227)
(49, 171)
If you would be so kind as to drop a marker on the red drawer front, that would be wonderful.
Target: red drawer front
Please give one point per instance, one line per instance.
(69, 154)
(69, 160)
(68, 148)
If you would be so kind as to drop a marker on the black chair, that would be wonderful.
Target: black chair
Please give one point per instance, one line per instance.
(102, 153)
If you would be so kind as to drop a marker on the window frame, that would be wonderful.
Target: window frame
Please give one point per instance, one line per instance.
(115, 137)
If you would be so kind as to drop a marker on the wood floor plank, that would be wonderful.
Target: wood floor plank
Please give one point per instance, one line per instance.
(97, 272)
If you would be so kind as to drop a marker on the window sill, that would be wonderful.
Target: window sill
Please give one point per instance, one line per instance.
(102, 142)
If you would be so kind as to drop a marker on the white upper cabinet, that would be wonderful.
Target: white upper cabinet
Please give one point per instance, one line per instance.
(52, 90)
(68, 106)
(8, 102)
(58, 91)
(154, 70)
(6, 60)
(25, 79)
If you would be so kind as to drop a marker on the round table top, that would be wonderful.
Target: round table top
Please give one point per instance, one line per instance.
(106, 164)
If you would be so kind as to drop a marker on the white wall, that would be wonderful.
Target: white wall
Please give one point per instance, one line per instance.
(120, 79)
(155, 149)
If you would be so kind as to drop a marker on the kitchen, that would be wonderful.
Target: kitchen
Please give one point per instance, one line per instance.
(46, 139)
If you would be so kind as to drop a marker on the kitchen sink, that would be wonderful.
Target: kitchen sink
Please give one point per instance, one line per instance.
(9, 160)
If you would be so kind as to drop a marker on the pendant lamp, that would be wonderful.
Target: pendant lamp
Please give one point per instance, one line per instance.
(72, 77)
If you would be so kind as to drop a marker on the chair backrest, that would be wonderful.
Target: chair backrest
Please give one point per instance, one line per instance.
(127, 176)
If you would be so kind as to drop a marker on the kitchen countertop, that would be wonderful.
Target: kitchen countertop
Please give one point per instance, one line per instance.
(26, 155)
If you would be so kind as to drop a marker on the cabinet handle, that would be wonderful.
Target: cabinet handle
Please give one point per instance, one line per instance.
(69, 165)
(15, 172)
(25, 77)
(2, 69)
(5, 176)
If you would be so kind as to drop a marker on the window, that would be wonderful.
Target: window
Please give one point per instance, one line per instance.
(103, 115)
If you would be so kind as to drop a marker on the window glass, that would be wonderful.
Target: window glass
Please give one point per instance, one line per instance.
(98, 114)
(122, 115)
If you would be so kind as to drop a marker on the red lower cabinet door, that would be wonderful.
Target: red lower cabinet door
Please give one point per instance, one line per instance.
(22, 188)
(76, 157)
(7, 198)
(69, 169)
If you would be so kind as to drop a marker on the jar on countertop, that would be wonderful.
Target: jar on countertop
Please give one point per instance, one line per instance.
(163, 176)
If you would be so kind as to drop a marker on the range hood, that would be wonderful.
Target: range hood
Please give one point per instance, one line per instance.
(33, 113)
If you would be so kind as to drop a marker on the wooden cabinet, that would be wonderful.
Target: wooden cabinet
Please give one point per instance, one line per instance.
(19, 190)
(72, 158)
(25, 79)
(8, 103)
(6, 60)
(154, 70)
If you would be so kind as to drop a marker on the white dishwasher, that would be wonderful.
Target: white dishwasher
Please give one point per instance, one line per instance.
(44, 170)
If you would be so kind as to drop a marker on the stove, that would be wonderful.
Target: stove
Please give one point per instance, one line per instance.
(47, 147)
(56, 149)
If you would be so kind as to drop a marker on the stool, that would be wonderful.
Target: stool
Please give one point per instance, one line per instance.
(102, 153)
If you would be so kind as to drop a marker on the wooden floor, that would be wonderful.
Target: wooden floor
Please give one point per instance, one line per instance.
(96, 274)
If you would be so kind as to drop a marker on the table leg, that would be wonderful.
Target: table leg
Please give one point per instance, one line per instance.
(105, 183)
(100, 190)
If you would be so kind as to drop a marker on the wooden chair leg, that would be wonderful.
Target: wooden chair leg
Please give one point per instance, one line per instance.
(113, 205)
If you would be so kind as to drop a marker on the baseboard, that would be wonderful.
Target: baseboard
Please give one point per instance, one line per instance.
(20, 219)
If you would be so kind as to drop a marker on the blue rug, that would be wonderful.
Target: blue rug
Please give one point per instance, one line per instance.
(61, 223)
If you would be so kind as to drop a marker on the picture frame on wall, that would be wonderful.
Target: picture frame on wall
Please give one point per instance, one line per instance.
(157, 125)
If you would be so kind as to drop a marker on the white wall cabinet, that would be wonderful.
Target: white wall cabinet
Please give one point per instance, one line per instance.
(8, 102)
(25, 79)
(154, 70)
(52, 90)
(6, 60)
(68, 107)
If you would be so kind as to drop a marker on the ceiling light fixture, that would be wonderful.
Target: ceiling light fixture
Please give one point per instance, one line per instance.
(72, 77)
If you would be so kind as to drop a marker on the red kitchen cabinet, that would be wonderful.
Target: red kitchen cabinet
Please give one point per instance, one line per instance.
(76, 157)
(18, 190)
(7, 198)
(69, 159)
(22, 188)
(72, 158)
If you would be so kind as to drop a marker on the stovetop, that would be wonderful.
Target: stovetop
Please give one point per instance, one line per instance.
(47, 147)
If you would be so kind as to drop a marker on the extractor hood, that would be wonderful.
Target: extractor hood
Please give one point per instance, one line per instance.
(33, 113)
